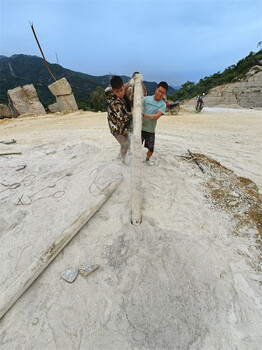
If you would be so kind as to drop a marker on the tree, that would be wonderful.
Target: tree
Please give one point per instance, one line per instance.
(189, 85)
(83, 105)
(98, 99)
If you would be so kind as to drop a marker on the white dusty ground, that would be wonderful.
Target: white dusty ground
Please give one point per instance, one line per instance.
(189, 277)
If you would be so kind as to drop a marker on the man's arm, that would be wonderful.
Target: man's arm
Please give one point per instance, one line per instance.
(153, 116)
(130, 83)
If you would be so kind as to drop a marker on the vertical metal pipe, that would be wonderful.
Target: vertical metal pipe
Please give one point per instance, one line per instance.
(136, 216)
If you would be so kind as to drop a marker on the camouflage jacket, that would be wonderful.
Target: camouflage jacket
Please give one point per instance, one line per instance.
(119, 119)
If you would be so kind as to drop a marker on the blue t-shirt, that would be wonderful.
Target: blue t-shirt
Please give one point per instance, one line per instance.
(150, 106)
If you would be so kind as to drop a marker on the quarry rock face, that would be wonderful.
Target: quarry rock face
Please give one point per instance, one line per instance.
(246, 94)
(24, 100)
(5, 112)
(65, 100)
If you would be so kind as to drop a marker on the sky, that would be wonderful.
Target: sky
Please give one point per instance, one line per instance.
(175, 41)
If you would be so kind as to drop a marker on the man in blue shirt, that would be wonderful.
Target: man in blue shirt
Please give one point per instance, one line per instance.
(153, 108)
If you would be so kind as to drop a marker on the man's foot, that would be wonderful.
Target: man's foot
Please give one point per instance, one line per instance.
(149, 161)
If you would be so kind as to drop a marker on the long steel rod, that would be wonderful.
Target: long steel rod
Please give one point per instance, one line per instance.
(41, 51)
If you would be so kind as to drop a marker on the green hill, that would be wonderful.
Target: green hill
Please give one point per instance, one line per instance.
(230, 75)
(23, 69)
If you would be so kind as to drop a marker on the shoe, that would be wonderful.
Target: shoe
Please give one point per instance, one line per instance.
(149, 161)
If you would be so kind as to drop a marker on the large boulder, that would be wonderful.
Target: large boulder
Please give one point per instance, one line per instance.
(23, 100)
(5, 112)
(65, 100)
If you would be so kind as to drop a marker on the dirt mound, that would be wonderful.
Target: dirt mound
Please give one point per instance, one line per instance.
(232, 193)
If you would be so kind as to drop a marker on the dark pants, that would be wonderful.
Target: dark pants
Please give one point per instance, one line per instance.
(149, 139)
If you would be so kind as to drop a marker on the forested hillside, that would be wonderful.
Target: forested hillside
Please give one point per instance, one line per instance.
(23, 69)
(232, 74)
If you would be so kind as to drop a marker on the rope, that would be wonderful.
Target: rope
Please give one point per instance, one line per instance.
(98, 186)
(17, 184)
(53, 195)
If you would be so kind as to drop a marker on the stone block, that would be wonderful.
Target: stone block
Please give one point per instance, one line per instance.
(23, 100)
(5, 112)
(53, 108)
(60, 87)
(66, 103)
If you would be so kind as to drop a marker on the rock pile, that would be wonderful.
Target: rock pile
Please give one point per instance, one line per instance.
(24, 100)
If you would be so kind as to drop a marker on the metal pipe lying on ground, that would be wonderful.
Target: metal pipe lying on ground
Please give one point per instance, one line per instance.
(11, 295)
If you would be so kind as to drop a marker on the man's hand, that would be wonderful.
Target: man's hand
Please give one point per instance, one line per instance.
(131, 82)
(153, 116)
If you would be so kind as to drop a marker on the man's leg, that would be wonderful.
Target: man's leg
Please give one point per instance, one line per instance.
(124, 146)
(150, 143)
(149, 140)
(148, 155)
(128, 140)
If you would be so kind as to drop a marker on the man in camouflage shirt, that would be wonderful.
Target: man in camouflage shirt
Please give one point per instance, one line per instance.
(119, 113)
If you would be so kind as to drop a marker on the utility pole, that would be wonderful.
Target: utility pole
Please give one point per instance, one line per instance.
(57, 61)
